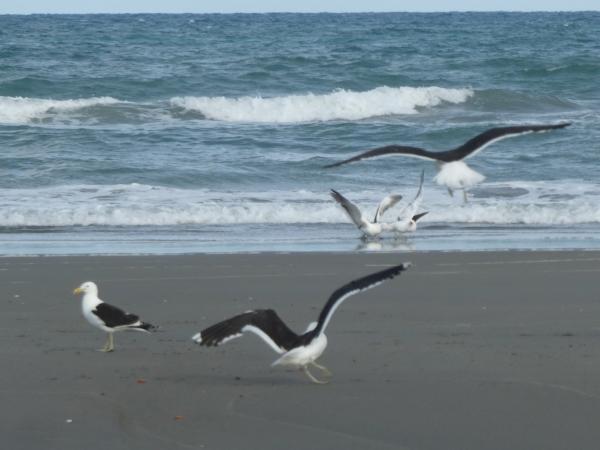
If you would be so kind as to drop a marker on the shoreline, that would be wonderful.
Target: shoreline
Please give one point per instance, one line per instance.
(477, 351)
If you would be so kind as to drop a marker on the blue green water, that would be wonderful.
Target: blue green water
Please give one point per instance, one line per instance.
(177, 133)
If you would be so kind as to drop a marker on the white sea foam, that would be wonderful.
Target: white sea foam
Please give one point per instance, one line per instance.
(22, 110)
(338, 105)
(127, 205)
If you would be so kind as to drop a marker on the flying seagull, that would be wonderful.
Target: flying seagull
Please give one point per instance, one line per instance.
(107, 317)
(367, 227)
(408, 217)
(453, 171)
(296, 350)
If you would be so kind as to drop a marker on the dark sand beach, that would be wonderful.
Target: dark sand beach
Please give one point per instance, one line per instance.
(467, 351)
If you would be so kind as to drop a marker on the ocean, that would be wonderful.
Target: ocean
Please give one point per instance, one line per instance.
(208, 133)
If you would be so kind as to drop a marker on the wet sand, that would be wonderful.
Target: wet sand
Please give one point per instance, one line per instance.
(464, 351)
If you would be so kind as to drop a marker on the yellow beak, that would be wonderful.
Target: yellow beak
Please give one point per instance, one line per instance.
(77, 290)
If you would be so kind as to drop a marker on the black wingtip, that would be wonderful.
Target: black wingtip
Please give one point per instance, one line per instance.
(337, 196)
(396, 270)
(420, 215)
(149, 327)
(330, 166)
(559, 125)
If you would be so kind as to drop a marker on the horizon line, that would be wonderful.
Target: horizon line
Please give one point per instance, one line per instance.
(299, 12)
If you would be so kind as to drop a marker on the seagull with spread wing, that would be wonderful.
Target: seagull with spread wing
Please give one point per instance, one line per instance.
(408, 217)
(296, 350)
(367, 227)
(453, 172)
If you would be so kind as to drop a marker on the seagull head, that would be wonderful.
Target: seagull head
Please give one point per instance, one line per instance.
(89, 287)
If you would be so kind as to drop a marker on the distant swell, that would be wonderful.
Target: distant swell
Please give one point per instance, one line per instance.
(338, 105)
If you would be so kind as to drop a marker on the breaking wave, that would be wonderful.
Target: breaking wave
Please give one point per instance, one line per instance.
(20, 110)
(338, 105)
(136, 204)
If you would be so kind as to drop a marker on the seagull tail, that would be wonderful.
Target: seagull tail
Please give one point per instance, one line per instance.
(148, 327)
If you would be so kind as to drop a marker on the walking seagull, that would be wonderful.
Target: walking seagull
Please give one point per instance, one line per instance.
(299, 351)
(407, 219)
(453, 172)
(367, 227)
(107, 317)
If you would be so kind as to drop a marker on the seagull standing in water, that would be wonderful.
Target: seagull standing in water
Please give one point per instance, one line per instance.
(368, 228)
(107, 317)
(296, 350)
(453, 172)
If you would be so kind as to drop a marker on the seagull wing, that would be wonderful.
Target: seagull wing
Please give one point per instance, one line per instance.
(389, 150)
(265, 323)
(385, 204)
(468, 149)
(351, 209)
(354, 287)
(481, 141)
(410, 209)
(114, 317)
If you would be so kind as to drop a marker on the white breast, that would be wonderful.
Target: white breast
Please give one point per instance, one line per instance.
(371, 229)
(301, 356)
(457, 175)
(88, 304)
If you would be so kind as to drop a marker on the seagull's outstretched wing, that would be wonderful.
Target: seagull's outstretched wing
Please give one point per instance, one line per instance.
(408, 212)
(386, 204)
(468, 149)
(354, 287)
(388, 150)
(351, 209)
(481, 141)
(263, 322)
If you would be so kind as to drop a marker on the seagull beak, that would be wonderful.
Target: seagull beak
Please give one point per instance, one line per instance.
(77, 291)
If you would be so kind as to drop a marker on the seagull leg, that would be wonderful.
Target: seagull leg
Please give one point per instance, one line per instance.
(451, 192)
(465, 196)
(311, 376)
(323, 369)
(109, 346)
(112, 342)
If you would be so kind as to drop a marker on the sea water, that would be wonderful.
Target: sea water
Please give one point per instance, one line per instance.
(199, 133)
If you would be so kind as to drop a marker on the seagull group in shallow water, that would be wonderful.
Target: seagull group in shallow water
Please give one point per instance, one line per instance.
(406, 220)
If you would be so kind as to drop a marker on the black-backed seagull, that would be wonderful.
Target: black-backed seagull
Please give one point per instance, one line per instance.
(408, 217)
(107, 317)
(453, 172)
(298, 351)
(367, 227)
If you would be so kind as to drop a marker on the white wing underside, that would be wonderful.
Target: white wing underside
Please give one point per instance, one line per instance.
(342, 299)
(385, 204)
(264, 336)
(493, 141)
(354, 213)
